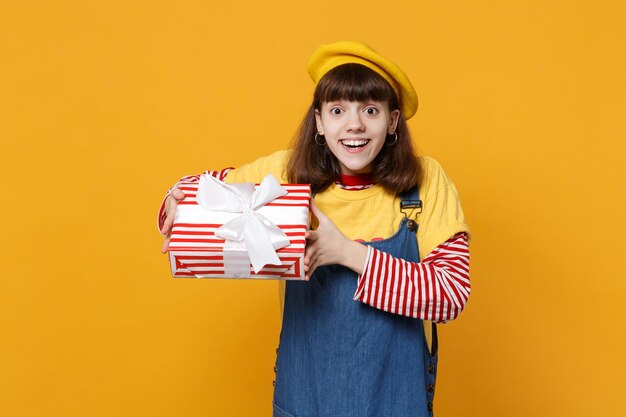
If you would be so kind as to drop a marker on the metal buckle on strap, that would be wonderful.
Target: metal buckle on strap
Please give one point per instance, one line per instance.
(413, 205)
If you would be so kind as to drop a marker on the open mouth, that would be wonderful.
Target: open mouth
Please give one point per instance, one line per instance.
(354, 143)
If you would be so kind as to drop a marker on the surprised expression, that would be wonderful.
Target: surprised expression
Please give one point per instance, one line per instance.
(355, 131)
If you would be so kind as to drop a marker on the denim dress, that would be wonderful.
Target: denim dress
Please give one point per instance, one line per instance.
(342, 358)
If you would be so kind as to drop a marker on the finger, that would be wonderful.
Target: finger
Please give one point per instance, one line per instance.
(167, 224)
(313, 262)
(166, 245)
(310, 250)
(310, 271)
(171, 203)
(307, 261)
(170, 212)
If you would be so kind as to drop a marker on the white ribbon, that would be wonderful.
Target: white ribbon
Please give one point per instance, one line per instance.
(250, 236)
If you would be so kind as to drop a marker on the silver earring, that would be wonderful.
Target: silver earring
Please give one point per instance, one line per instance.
(394, 141)
(315, 139)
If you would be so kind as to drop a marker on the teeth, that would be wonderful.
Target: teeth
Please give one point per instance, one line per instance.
(354, 142)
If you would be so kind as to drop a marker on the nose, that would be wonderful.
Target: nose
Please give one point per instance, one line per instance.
(355, 124)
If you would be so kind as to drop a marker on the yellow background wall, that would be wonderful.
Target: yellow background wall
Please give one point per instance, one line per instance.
(104, 104)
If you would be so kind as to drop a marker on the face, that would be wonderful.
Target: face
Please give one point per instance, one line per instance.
(355, 131)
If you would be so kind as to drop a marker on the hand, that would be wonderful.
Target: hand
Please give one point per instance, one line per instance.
(327, 245)
(170, 209)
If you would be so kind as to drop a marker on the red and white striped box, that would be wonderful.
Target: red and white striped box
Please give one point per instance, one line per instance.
(195, 251)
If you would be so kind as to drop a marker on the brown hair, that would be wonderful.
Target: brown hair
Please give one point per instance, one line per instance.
(396, 167)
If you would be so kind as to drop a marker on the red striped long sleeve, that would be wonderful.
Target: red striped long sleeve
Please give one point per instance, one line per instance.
(435, 289)
(190, 179)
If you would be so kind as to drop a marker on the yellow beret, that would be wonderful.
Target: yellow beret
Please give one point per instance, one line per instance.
(327, 57)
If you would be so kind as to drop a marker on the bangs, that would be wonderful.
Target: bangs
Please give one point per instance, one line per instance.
(354, 82)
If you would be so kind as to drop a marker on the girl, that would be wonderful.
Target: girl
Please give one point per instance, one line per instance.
(353, 341)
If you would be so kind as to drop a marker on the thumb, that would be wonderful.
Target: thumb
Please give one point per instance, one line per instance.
(317, 212)
(178, 194)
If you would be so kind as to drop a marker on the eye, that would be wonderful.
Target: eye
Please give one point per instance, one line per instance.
(335, 110)
(371, 110)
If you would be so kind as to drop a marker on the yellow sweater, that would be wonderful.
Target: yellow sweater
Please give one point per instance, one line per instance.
(374, 213)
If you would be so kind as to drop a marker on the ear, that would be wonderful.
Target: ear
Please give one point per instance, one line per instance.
(394, 117)
(318, 122)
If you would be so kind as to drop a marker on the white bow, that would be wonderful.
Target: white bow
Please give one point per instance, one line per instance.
(250, 234)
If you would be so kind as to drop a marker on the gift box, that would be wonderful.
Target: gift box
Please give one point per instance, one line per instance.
(240, 230)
